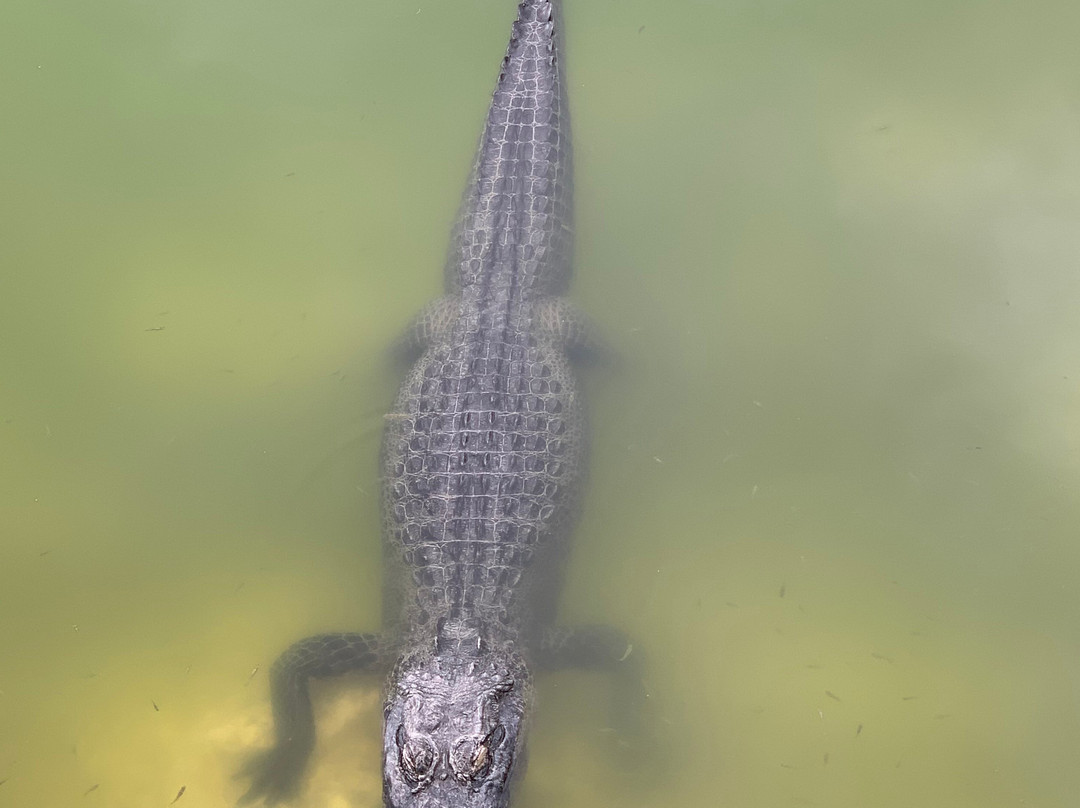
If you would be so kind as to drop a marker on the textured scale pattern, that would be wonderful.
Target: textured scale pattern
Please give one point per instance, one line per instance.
(516, 216)
(483, 461)
(484, 448)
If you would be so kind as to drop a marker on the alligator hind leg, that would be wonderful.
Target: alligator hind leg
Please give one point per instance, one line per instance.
(604, 648)
(276, 773)
(432, 323)
(564, 322)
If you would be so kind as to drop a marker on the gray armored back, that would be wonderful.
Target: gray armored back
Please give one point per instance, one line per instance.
(521, 180)
(485, 449)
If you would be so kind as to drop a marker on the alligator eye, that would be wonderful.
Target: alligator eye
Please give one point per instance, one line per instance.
(417, 757)
(479, 759)
(472, 757)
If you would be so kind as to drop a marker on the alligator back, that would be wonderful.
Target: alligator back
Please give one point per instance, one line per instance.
(484, 449)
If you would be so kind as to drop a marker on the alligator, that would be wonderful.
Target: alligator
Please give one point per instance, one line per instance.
(483, 461)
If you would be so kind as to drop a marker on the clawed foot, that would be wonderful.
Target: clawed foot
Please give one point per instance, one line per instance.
(275, 774)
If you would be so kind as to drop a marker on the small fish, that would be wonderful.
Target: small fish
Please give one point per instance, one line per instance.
(155, 328)
(882, 657)
(858, 730)
(156, 708)
(908, 698)
(94, 787)
(45, 553)
(4, 780)
(826, 761)
(832, 695)
(783, 590)
(252, 674)
(179, 794)
(786, 766)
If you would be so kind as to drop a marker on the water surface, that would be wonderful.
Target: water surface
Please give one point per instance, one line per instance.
(834, 488)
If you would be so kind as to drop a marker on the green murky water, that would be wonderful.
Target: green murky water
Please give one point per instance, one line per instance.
(835, 487)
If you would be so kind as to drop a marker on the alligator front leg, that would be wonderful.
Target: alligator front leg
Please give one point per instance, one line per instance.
(604, 648)
(276, 773)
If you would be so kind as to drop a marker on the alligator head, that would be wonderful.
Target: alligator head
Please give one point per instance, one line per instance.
(453, 729)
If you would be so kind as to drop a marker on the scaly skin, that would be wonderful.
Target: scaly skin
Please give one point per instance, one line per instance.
(483, 462)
